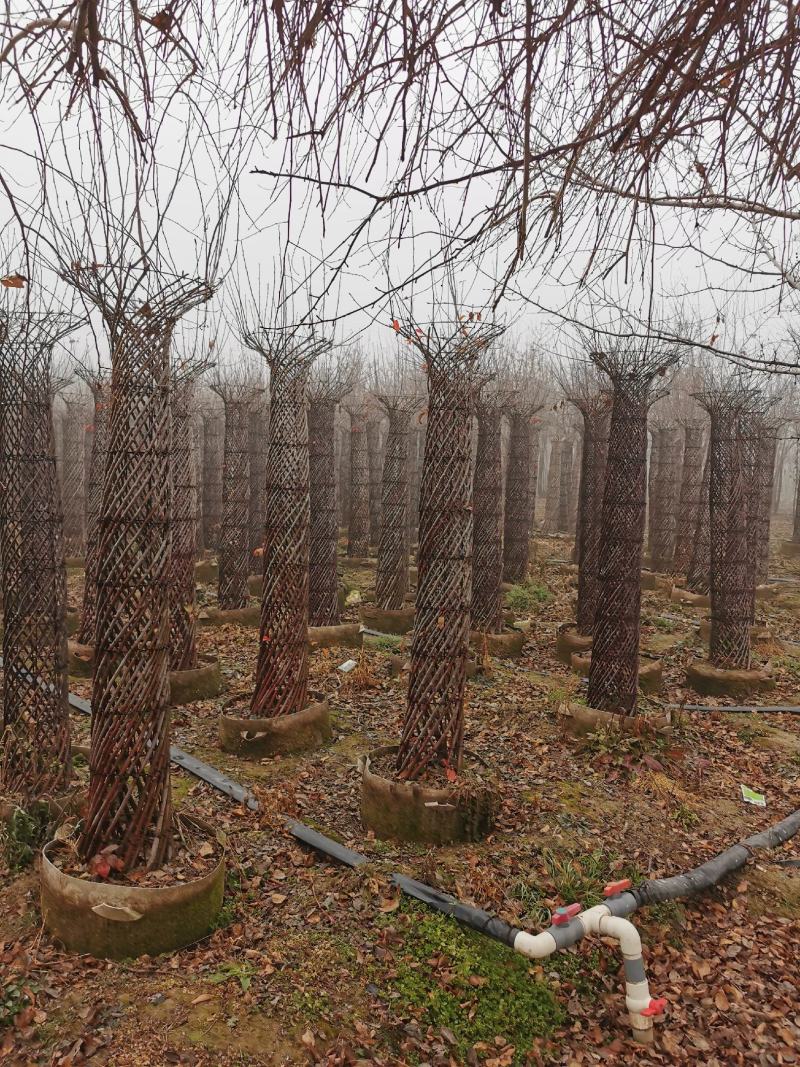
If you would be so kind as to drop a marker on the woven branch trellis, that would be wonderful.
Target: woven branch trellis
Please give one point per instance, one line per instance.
(614, 670)
(183, 611)
(732, 575)
(698, 574)
(433, 728)
(73, 472)
(358, 516)
(281, 686)
(100, 386)
(487, 536)
(533, 489)
(416, 455)
(36, 736)
(258, 435)
(796, 517)
(595, 409)
(765, 471)
(519, 507)
(323, 599)
(197, 460)
(391, 580)
(213, 447)
(331, 380)
(343, 484)
(234, 543)
(689, 502)
(553, 487)
(129, 801)
(653, 465)
(664, 513)
(564, 515)
(375, 460)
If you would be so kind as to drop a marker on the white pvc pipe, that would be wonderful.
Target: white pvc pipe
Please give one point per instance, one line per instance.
(600, 922)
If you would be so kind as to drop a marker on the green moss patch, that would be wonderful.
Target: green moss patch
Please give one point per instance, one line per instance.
(527, 597)
(470, 988)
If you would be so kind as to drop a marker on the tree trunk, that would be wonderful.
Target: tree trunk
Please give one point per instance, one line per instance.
(323, 585)
(129, 801)
(73, 488)
(36, 743)
(433, 729)
(282, 670)
(593, 469)
(101, 393)
(516, 533)
(614, 671)
(731, 586)
(183, 614)
(375, 464)
(234, 564)
(553, 492)
(689, 504)
(392, 574)
(358, 525)
(213, 437)
(664, 515)
(487, 550)
(258, 433)
(563, 518)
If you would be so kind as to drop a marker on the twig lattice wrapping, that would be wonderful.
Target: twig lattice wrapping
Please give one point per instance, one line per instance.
(487, 538)
(433, 728)
(36, 741)
(234, 545)
(391, 580)
(101, 396)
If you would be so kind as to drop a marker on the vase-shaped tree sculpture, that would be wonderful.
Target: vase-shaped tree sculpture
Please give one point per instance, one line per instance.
(129, 803)
(399, 400)
(734, 409)
(235, 387)
(183, 613)
(35, 756)
(213, 421)
(690, 494)
(410, 792)
(129, 798)
(278, 717)
(331, 380)
(73, 485)
(258, 437)
(358, 521)
(527, 400)
(614, 670)
(433, 730)
(587, 391)
(487, 538)
(100, 386)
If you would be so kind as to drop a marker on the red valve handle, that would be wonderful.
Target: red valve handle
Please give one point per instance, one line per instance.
(656, 1006)
(617, 887)
(561, 916)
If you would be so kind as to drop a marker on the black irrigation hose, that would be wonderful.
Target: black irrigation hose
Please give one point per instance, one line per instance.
(655, 891)
(711, 872)
(785, 709)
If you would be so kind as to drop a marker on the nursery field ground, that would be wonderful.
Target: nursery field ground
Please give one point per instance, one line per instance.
(316, 963)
